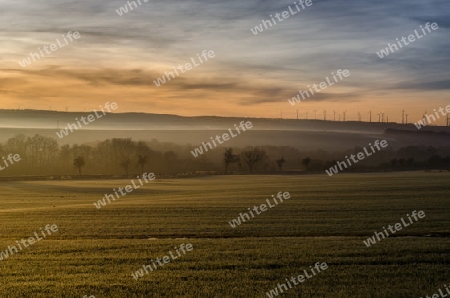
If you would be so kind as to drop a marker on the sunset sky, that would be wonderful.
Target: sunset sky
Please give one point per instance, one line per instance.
(118, 57)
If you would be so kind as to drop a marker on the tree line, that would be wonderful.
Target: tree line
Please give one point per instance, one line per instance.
(42, 155)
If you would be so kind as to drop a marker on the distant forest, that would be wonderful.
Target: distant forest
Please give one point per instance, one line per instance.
(42, 155)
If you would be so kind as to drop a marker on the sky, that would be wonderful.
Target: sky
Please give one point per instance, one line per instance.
(117, 58)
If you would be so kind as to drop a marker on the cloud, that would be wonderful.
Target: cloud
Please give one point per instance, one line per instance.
(425, 86)
(127, 53)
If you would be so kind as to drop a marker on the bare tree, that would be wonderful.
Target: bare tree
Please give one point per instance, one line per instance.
(280, 163)
(142, 161)
(18, 144)
(306, 162)
(251, 157)
(79, 162)
(229, 158)
(42, 150)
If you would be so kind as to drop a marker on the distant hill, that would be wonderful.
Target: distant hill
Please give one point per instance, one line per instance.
(136, 121)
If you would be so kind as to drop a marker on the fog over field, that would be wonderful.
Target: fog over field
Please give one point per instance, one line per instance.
(302, 134)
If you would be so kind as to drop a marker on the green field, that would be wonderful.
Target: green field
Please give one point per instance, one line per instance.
(326, 220)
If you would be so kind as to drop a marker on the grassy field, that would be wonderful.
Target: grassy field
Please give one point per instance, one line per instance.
(326, 220)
